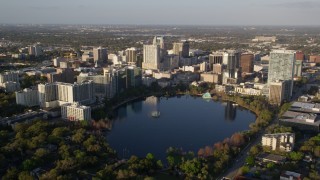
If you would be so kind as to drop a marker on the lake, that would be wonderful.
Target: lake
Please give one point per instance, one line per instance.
(185, 122)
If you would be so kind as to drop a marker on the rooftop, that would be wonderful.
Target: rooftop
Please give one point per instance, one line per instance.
(291, 174)
(271, 157)
(279, 134)
(300, 116)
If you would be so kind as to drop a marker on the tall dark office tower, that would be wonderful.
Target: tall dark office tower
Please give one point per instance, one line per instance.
(246, 63)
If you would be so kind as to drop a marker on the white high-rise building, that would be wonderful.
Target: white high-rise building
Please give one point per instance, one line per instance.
(58, 93)
(151, 57)
(279, 141)
(27, 97)
(109, 74)
(281, 67)
(100, 54)
(75, 112)
(204, 67)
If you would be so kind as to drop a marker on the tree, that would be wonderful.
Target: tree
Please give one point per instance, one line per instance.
(316, 151)
(208, 151)
(271, 166)
(60, 131)
(201, 152)
(41, 152)
(171, 161)
(150, 156)
(11, 173)
(237, 139)
(250, 160)
(159, 164)
(191, 167)
(29, 164)
(245, 170)
(255, 150)
(25, 175)
(296, 156)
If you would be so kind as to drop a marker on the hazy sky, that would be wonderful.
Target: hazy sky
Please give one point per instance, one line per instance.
(185, 12)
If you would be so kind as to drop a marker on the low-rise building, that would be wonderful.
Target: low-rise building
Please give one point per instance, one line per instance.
(279, 141)
(147, 81)
(300, 120)
(194, 68)
(160, 75)
(266, 158)
(186, 77)
(75, 112)
(211, 78)
(288, 175)
(305, 107)
(247, 91)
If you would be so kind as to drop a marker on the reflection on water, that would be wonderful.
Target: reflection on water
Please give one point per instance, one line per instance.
(136, 106)
(185, 122)
(153, 103)
(230, 112)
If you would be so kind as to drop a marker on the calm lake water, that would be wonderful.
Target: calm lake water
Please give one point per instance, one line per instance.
(185, 122)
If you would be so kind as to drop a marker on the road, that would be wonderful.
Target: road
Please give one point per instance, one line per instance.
(240, 160)
(232, 171)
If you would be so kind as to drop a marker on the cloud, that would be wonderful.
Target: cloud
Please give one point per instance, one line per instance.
(298, 5)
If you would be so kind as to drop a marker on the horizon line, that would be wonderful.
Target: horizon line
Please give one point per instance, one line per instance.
(203, 25)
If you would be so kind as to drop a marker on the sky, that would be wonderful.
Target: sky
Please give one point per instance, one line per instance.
(161, 12)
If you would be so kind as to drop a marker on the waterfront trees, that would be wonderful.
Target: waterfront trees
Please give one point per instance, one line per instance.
(50, 146)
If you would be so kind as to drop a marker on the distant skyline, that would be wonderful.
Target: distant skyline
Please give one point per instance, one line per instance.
(162, 12)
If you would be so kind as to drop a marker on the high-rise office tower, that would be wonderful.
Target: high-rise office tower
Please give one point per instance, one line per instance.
(133, 77)
(246, 63)
(151, 57)
(170, 62)
(298, 68)
(100, 54)
(279, 92)
(215, 58)
(181, 49)
(100, 83)
(232, 70)
(35, 50)
(281, 67)
(131, 55)
(109, 74)
(159, 40)
(300, 56)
